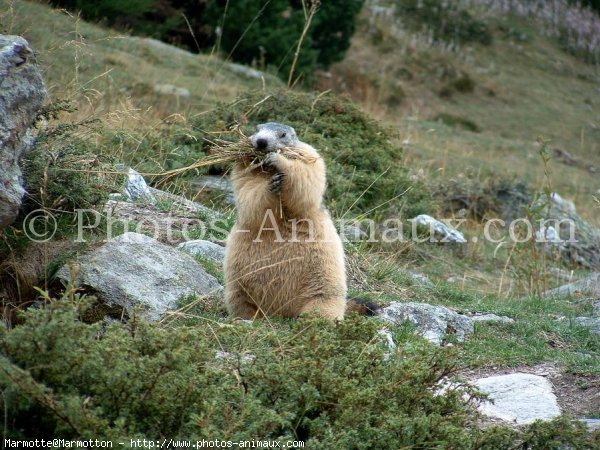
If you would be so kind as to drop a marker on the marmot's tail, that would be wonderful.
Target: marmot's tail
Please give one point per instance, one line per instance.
(362, 306)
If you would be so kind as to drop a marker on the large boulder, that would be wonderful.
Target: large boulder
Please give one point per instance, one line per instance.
(135, 271)
(434, 323)
(519, 398)
(22, 94)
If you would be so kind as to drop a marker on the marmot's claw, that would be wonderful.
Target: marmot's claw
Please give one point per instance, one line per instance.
(277, 182)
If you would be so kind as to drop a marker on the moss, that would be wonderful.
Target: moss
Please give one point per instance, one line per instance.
(365, 166)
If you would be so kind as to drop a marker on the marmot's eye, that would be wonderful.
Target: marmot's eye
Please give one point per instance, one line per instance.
(282, 135)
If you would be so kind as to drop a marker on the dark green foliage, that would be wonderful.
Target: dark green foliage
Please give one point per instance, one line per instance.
(448, 21)
(334, 26)
(267, 33)
(66, 176)
(311, 380)
(594, 4)
(364, 163)
(457, 122)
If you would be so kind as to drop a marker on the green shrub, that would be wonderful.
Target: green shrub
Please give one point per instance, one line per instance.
(364, 164)
(266, 33)
(326, 384)
(497, 195)
(448, 21)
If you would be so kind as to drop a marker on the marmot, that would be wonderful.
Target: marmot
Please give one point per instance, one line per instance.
(283, 256)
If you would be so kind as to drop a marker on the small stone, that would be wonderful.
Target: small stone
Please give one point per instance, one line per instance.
(420, 279)
(169, 89)
(136, 188)
(519, 398)
(440, 232)
(434, 323)
(491, 318)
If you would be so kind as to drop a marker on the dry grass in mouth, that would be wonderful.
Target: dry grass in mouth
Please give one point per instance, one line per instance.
(223, 152)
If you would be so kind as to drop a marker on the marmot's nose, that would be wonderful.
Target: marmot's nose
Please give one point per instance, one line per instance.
(261, 144)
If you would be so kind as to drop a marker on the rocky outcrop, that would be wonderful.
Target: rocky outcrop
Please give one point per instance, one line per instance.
(434, 323)
(586, 287)
(491, 318)
(22, 94)
(577, 241)
(134, 271)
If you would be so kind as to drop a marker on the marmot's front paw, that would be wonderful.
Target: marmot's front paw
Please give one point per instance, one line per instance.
(271, 161)
(277, 182)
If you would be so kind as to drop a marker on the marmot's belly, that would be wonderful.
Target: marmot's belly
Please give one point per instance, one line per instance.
(279, 277)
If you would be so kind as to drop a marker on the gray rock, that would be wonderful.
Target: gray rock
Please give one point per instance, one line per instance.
(440, 232)
(205, 249)
(22, 94)
(136, 188)
(186, 206)
(589, 286)
(169, 89)
(593, 323)
(216, 183)
(519, 398)
(591, 424)
(596, 308)
(433, 323)
(580, 240)
(548, 235)
(161, 47)
(420, 279)
(245, 71)
(388, 341)
(491, 318)
(134, 270)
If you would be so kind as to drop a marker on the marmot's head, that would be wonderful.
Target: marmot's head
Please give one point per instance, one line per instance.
(272, 136)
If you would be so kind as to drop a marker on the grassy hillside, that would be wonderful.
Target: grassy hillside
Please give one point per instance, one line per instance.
(102, 69)
(521, 86)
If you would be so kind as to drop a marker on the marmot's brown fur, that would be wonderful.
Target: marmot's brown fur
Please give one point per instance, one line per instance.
(284, 256)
